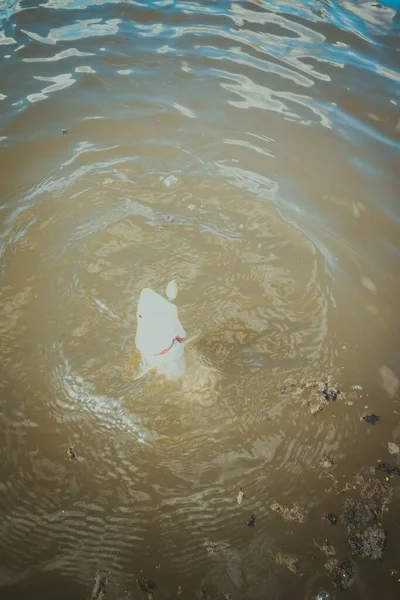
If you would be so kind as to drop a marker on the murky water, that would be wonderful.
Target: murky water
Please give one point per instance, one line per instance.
(251, 150)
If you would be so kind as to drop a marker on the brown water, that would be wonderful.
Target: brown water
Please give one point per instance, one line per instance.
(251, 150)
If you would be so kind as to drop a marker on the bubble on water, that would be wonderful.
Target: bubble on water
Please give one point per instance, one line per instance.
(172, 290)
(323, 595)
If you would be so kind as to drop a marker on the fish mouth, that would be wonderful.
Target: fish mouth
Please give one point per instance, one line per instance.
(166, 350)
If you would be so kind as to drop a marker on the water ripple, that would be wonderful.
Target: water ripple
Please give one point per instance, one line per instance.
(250, 150)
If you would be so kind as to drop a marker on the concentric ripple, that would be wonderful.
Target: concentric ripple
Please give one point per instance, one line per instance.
(250, 150)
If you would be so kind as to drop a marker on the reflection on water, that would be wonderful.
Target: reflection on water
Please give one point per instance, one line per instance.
(250, 150)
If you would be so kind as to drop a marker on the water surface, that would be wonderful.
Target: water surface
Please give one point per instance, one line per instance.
(251, 150)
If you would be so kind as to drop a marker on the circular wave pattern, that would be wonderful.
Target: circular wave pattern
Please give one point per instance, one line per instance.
(249, 149)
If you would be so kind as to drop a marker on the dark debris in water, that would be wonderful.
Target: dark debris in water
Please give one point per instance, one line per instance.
(371, 419)
(251, 521)
(330, 393)
(342, 572)
(331, 518)
(368, 544)
(99, 588)
(389, 469)
(291, 562)
(319, 393)
(71, 453)
(147, 586)
(358, 514)
(64, 131)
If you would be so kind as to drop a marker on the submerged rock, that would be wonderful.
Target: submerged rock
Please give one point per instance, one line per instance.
(327, 549)
(371, 419)
(330, 393)
(291, 562)
(342, 572)
(318, 393)
(380, 492)
(368, 544)
(393, 448)
(358, 514)
(326, 462)
(294, 513)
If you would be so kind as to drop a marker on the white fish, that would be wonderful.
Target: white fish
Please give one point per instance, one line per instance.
(160, 334)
